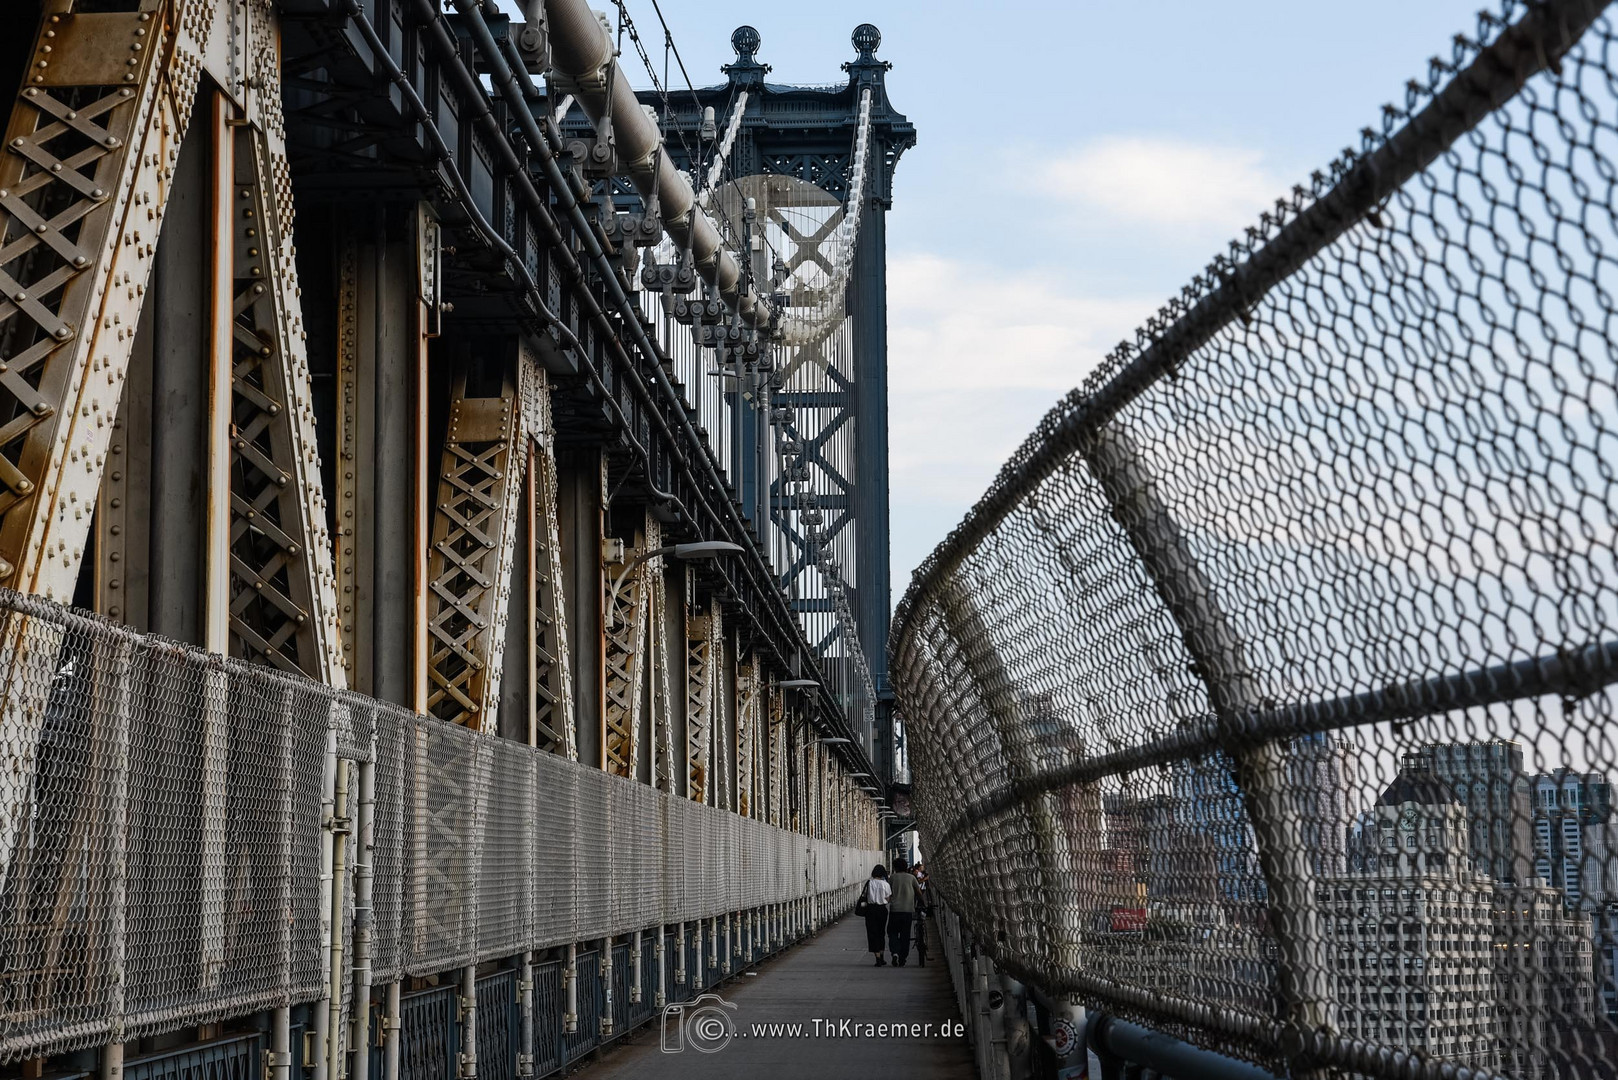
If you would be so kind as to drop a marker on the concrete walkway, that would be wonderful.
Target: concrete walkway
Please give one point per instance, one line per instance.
(829, 978)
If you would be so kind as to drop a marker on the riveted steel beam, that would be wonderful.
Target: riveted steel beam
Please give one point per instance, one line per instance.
(473, 541)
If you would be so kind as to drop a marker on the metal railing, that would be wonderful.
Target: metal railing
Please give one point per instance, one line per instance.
(165, 814)
(1266, 698)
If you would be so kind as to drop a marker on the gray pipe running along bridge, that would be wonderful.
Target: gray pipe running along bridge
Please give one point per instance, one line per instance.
(442, 633)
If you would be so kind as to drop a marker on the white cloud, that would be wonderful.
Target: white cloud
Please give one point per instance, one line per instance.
(977, 354)
(957, 325)
(1165, 183)
(975, 357)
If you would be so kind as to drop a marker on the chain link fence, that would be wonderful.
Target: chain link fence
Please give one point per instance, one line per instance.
(1266, 697)
(162, 825)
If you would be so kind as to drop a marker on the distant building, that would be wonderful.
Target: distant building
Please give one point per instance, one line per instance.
(1573, 851)
(1207, 802)
(1318, 768)
(1543, 982)
(1125, 815)
(1409, 934)
(1429, 953)
(1572, 815)
(1488, 779)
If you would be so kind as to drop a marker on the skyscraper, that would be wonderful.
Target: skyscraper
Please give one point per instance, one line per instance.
(1573, 851)
(1488, 779)
(1572, 816)
(1427, 951)
(1408, 933)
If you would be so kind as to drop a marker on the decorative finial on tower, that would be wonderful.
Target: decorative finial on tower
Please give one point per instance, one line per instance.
(865, 68)
(745, 40)
(746, 71)
(867, 40)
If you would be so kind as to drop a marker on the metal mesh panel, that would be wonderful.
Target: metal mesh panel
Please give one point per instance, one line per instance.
(506, 892)
(390, 859)
(1267, 695)
(592, 870)
(554, 817)
(450, 802)
(161, 844)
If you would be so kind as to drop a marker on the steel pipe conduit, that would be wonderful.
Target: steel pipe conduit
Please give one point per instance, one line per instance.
(582, 54)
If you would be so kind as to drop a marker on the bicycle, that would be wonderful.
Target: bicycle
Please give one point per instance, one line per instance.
(921, 937)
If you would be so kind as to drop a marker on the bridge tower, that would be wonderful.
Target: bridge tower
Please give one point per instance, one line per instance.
(811, 464)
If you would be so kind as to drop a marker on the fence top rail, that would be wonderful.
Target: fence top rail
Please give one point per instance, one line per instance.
(1482, 73)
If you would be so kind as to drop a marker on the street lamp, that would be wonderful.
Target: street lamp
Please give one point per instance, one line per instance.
(835, 739)
(702, 549)
(799, 684)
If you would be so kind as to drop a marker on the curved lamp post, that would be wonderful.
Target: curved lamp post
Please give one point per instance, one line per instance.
(702, 549)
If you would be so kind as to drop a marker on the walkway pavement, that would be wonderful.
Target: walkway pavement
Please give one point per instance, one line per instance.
(829, 978)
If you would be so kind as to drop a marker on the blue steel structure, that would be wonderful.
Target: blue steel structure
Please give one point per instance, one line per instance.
(808, 133)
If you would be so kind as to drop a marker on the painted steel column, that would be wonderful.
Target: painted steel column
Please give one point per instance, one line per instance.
(364, 853)
(636, 963)
(570, 986)
(525, 989)
(282, 598)
(181, 330)
(216, 546)
(379, 459)
(627, 595)
(469, 1023)
(390, 1038)
(580, 499)
(660, 948)
(868, 314)
(71, 321)
(701, 693)
(548, 661)
(605, 968)
(332, 1050)
(320, 1017)
(280, 1063)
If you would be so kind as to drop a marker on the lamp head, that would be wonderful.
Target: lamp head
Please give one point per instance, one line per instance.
(705, 549)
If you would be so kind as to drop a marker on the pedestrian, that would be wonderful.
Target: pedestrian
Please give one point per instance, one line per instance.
(901, 911)
(873, 904)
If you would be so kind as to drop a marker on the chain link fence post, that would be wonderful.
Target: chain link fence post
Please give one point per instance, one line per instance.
(1056, 917)
(1258, 766)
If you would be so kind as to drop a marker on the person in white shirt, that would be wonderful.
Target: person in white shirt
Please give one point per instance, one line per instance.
(873, 903)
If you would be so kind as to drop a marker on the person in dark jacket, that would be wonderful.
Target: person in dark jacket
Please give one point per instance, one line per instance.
(901, 910)
(875, 900)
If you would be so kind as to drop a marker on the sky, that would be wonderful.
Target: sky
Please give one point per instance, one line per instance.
(1076, 164)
